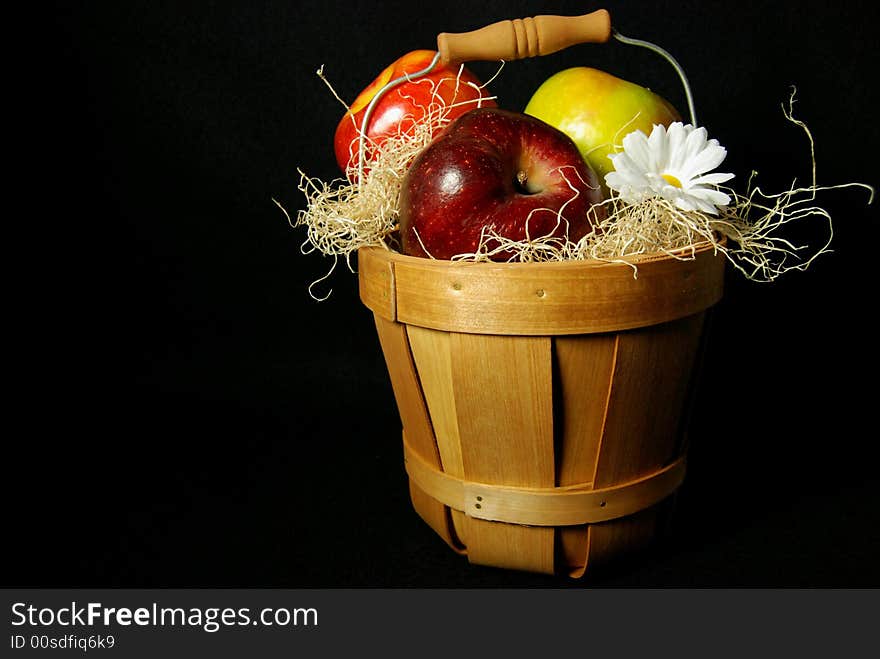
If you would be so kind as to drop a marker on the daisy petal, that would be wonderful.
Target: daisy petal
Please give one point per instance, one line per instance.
(658, 145)
(706, 207)
(614, 180)
(635, 145)
(706, 160)
(629, 169)
(695, 143)
(676, 135)
(711, 179)
(685, 203)
(711, 196)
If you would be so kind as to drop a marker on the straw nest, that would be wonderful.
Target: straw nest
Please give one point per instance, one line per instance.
(345, 214)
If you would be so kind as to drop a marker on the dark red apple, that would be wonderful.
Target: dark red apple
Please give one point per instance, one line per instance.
(497, 168)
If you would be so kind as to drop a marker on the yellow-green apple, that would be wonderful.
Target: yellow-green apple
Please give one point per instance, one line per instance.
(597, 110)
(402, 106)
(495, 168)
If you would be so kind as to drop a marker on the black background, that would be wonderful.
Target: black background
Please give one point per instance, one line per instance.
(184, 414)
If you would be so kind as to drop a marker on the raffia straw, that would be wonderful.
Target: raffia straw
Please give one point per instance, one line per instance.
(346, 214)
(342, 216)
(752, 224)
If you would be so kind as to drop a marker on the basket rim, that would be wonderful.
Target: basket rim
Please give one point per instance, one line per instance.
(560, 297)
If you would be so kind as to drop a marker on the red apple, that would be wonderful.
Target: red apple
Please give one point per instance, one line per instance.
(406, 103)
(498, 168)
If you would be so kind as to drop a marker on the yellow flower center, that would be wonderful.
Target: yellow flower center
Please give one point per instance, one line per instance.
(671, 180)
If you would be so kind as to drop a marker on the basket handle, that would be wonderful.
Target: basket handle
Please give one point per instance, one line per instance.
(526, 37)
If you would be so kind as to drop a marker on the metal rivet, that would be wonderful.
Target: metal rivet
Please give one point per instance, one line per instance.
(456, 286)
(477, 505)
(479, 498)
(602, 504)
(540, 292)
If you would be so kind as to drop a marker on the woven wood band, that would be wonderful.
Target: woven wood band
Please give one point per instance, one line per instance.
(557, 506)
(539, 298)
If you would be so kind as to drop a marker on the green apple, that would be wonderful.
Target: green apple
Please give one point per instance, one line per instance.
(596, 110)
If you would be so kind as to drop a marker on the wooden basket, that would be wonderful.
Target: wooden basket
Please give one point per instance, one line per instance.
(543, 405)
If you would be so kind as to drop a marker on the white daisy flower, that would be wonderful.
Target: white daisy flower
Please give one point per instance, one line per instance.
(672, 164)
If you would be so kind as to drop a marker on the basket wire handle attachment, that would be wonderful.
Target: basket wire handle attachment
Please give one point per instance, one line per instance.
(669, 58)
(368, 113)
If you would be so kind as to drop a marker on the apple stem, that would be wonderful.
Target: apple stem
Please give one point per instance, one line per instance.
(669, 58)
(365, 124)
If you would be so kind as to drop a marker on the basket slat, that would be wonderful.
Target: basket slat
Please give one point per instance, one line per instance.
(510, 437)
(585, 366)
(431, 353)
(649, 387)
(415, 420)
